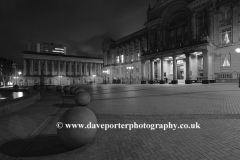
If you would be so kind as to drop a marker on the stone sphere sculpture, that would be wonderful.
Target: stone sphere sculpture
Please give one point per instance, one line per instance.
(15, 87)
(59, 88)
(72, 89)
(49, 87)
(79, 89)
(76, 137)
(82, 98)
(66, 89)
(36, 87)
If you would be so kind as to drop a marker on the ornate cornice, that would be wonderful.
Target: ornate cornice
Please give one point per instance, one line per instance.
(184, 50)
(154, 23)
(198, 3)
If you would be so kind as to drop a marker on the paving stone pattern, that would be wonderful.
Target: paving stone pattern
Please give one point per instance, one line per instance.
(215, 107)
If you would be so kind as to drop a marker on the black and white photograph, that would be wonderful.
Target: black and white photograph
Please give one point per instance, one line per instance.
(119, 79)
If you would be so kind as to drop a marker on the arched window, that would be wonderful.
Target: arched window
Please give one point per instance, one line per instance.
(178, 30)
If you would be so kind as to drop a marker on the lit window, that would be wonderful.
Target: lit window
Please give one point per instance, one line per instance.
(122, 58)
(226, 62)
(226, 35)
(132, 57)
(117, 59)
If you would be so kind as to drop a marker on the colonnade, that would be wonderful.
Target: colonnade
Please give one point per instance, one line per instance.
(61, 68)
(207, 67)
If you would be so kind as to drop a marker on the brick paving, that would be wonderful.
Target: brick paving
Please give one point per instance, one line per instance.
(31, 133)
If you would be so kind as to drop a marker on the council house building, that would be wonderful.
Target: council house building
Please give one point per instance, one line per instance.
(183, 41)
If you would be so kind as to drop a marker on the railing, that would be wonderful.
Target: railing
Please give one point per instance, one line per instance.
(225, 76)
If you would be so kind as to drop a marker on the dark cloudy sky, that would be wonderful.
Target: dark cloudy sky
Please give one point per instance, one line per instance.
(80, 25)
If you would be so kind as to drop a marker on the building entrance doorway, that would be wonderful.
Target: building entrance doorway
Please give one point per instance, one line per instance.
(180, 72)
(180, 69)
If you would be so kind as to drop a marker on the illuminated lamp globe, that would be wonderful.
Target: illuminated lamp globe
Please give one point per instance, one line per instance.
(59, 88)
(66, 89)
(49, 87)
(82, 98)
(237, 50)
(15, 87)
(79, 89)
(72, 89)
(77, 137)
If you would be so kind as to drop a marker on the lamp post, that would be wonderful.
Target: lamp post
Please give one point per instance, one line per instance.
(105, 75)
(19, 74)
(130, 68)
(60, 79)
(238, 51)
(94, 78)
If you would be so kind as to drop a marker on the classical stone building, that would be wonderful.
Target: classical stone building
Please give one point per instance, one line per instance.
(9, 72)
(60, 69)
(183, 41)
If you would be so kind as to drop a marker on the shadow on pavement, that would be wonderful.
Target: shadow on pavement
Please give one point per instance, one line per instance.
(65, 105)
(44, 145)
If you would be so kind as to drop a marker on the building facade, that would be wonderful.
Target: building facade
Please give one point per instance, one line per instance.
(59, 69)
(9, 72)
(51, 48)
(183, 40)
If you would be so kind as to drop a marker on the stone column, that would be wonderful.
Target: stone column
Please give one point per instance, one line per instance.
(80, 69)
(52, 68)
(31, 67)
(64, 68)
(193, 21)
(100, 69)
(24, 67)
(39, 67)
(207, 67)
(90, 69)
(162, 71)
(236, 20)
(46, 69)
(151, 71)
(143, 71)
(59, 73)
(86, 69)
(75, 63)
(174, 81)
(210, 23)
(158, 69)
(70, 68)
(95, 69)
(188, 79)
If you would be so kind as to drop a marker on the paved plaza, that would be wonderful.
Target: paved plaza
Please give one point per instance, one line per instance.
(31, 133)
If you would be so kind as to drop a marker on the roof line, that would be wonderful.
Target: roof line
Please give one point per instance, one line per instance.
(55, 54)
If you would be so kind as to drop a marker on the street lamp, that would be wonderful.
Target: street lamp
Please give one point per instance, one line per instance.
(94, 78)
(19, 74)
(60, 79)
(238, 51)
(130, 68)
(105, 75)
(16, 78)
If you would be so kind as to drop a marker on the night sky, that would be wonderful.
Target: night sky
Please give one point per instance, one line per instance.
(79, 25)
